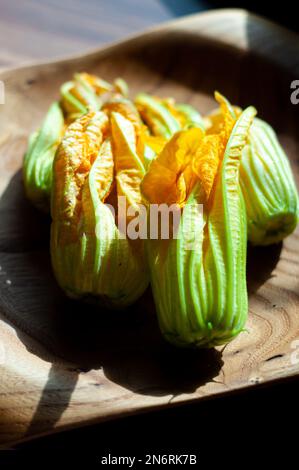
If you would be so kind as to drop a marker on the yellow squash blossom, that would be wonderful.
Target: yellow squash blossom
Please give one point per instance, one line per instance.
(198, 277)
(90, 256)
(266, 178)
(85, 92)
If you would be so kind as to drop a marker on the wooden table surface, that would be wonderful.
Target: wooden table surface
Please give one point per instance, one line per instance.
(40, 30)
(33, 30)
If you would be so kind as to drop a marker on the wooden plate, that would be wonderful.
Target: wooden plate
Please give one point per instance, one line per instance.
(65, 363)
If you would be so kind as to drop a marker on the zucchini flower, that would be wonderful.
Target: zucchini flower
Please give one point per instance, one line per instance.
(268, 187)
(198, 275)
(91, 257)
(156, 116)
(85, 92)
(266, 179)
(148, 145)
(164, 117)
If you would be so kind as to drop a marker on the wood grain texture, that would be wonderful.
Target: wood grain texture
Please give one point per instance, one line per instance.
(44, 29)
(64, 363)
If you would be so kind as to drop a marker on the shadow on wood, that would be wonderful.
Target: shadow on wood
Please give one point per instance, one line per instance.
(80, 337)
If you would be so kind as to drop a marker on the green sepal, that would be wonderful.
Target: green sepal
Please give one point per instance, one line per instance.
(193, 118)
(38, 160)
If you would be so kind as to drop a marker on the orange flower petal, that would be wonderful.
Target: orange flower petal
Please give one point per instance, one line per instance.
(206, 162)
(73, 160)
(128, 166)
(102, 171)
(167, 180)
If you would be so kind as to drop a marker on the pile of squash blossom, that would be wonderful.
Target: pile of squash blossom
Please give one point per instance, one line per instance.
(95, 145)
